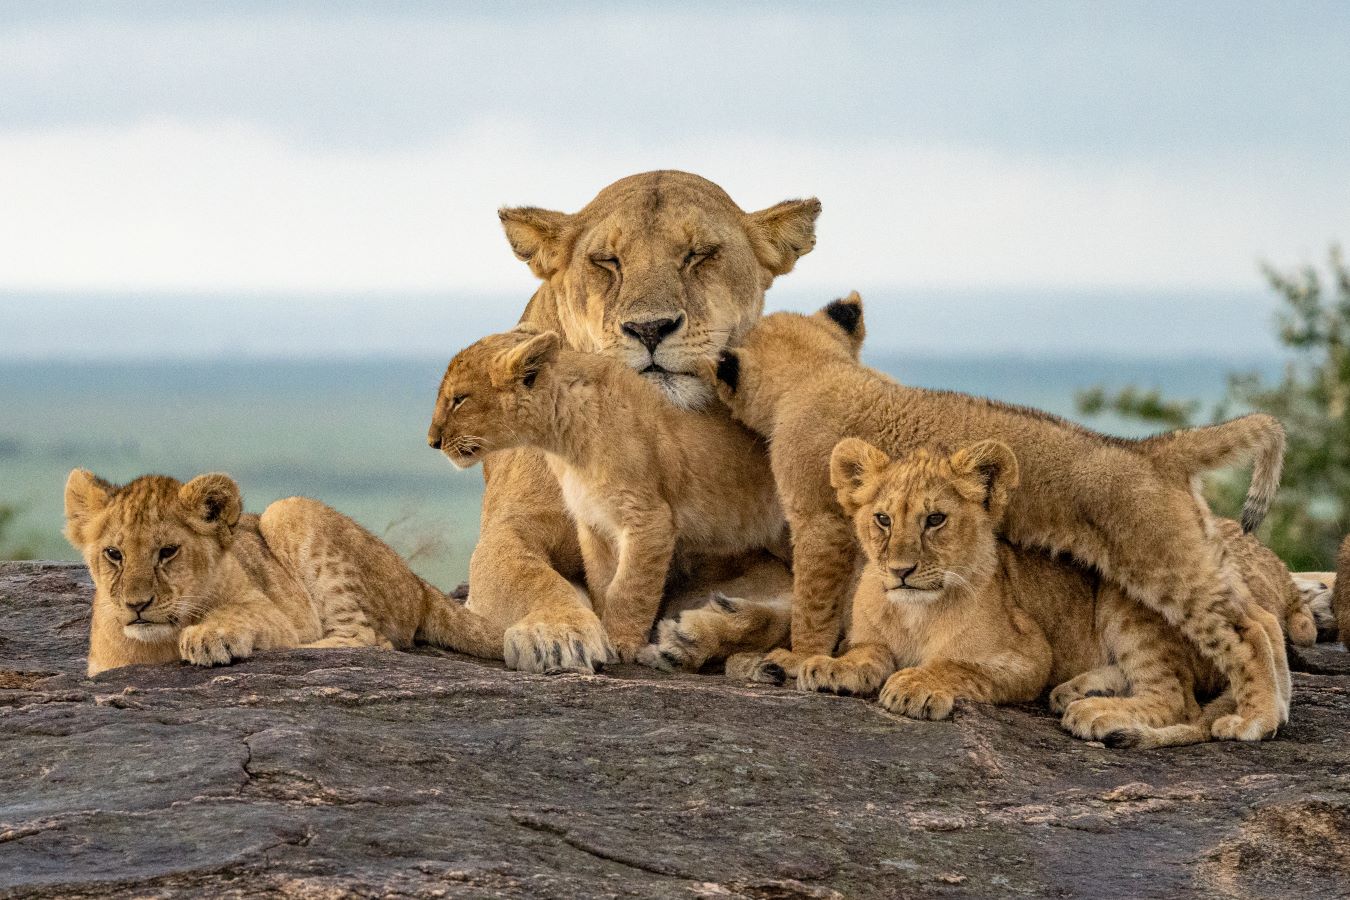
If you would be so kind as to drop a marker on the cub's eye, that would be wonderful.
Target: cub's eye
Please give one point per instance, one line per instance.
(934, 520)
(882, 520)
(608, 263)
(457, 401)
(168, 553)
(113, 554)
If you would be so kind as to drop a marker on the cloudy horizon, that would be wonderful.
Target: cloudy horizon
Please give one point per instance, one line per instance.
(310, 150)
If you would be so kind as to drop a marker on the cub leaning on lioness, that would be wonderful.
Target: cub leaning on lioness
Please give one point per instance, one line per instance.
(647, 482)
(1127, 508)
(181, 573)
(944, 610)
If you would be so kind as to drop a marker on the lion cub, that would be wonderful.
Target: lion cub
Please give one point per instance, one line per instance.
(961, 614)
(1126, 508)
(647, 482)
(181, 573)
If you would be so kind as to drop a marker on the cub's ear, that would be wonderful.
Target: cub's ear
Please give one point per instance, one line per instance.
(86, 495)
(854, 465)
(540, 237)
(214, 502)
(988, 474)
(783, 234)
(523, 362)
(846, 314)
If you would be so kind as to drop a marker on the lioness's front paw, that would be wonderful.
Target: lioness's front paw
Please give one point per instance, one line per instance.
(835, 676)
(548, 648)
(213, 645)
(913, 693)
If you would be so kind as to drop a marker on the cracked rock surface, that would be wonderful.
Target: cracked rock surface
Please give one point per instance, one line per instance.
(364, 772)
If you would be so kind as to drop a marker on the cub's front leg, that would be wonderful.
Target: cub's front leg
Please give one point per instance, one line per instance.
(930, 691)
(824, 561)
(235, 631)
(858, 673)
(645, 547)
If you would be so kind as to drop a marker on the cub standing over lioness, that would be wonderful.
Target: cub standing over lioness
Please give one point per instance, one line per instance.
(1127, 508)
(684, 485)
(181, 573)
(945, 610)
(659, 271)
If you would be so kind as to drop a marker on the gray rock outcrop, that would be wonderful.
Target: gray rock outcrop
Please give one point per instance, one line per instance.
(337, 773)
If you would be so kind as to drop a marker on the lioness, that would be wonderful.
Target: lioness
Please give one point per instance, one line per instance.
(1127, 508)
(180, 573)
(945, 610)
(660, 271)
(640, 497)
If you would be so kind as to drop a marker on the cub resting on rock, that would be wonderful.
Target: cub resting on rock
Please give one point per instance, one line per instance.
(1127, 508)
(647, 482)
(945, 610)
(180, 573)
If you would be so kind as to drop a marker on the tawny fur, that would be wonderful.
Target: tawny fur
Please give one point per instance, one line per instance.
(660, 245)
(681, 486)
(945, 610)
(1122, 507)
(1340, 592)
(181, 573)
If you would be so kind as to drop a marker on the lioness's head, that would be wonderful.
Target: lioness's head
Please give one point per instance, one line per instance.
(660, 270)
(494, 394)
(926, 521)
(780, 351)
(152, 545)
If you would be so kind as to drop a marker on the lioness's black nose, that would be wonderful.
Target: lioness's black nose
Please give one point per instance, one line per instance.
(139, 608)
(652, 332)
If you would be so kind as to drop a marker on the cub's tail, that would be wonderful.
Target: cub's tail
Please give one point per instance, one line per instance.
(1258, 437)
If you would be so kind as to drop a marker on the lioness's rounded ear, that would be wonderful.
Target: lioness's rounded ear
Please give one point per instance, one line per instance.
(523, 362)
(854, 464)
(783, 233)
(537, 236)
(990, 470)
(213, 500)
(846, 313)
(86, 494)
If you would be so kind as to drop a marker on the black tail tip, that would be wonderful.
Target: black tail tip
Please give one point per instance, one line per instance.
(1123, 739)
(1251, 520)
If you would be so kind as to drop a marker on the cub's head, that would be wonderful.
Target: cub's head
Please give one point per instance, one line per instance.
(494, 394)
(783, 350)
(152, 546)
(661, 271)
(926, 521)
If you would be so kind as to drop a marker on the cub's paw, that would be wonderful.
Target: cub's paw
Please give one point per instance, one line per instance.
(552, 647)
(1106, 719)
(1243, 728)
(914, 693)
(1104, 682)
(674, 650)
(214, 645)
(836, 676)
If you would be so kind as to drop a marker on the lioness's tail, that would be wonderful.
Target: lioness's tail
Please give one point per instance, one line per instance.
(1194, 450)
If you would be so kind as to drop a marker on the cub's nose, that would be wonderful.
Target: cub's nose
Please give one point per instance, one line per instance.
(653, 331)
(139, 608)
(903, 572)
(434, 439)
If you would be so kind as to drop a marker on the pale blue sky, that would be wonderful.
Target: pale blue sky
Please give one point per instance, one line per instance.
(1076, 152)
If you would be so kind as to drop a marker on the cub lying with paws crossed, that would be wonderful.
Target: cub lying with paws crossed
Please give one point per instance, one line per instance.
(944, 610)
(626, 461)
(180, 572)
(1127, 508)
